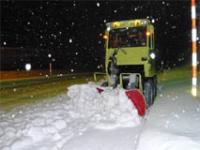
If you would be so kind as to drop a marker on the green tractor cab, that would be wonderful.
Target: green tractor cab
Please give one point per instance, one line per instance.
(130, 57)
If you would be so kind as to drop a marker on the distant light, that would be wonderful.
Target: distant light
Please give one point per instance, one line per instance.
(153, 20)
(4, 43)
(152, 55)
(28, 67)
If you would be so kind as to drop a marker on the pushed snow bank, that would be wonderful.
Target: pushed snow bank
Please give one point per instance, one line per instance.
(110, 109)
(51, 124)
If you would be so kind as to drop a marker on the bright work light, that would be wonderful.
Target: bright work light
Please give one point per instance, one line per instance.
(152, 55)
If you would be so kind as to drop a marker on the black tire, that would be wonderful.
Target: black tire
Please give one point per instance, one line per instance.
(148, 92)
(104, 84)
(155, 87)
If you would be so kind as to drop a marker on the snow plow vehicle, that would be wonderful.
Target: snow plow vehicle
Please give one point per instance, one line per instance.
(130, 58)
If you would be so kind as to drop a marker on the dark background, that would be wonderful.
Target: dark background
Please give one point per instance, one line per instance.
(72, 32)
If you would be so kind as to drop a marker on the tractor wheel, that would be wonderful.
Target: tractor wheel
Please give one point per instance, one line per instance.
(104, 84)
(148, 92)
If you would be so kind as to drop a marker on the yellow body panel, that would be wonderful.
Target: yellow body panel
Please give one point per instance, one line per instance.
(133, 55)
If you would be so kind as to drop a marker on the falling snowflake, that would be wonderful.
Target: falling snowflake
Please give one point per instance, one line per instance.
(28, 23)
(98, 4)
(135, 9)
(104, 20)
(76, 53)
(173, 27)
(167, 4)
(99, 66)
(70, 40)
(4, 43)
(49, 55)
(72, 70)
(115, 11)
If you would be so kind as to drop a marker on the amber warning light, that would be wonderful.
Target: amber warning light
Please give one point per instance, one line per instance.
(148, 33)
(105, 37)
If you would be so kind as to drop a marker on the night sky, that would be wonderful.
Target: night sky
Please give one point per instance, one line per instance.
(72, 32)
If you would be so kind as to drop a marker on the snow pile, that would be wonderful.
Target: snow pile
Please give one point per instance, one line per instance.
(109, 109)
(51, 124)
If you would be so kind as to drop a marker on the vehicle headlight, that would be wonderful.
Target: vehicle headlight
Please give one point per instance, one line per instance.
(108, 29)
(152, 55)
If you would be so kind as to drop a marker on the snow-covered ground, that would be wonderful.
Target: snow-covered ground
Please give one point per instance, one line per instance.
(83, 119)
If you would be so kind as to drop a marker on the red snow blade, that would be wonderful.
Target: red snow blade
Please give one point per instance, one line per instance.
(100, 90)
(138, 100)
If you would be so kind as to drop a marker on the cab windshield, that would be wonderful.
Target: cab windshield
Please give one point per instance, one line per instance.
(127, 37)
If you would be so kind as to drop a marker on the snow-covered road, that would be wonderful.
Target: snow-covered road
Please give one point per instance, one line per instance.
(82, 119)
(173, 123)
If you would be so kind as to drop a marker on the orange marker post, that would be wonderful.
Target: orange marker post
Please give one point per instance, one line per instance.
(194, 48)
